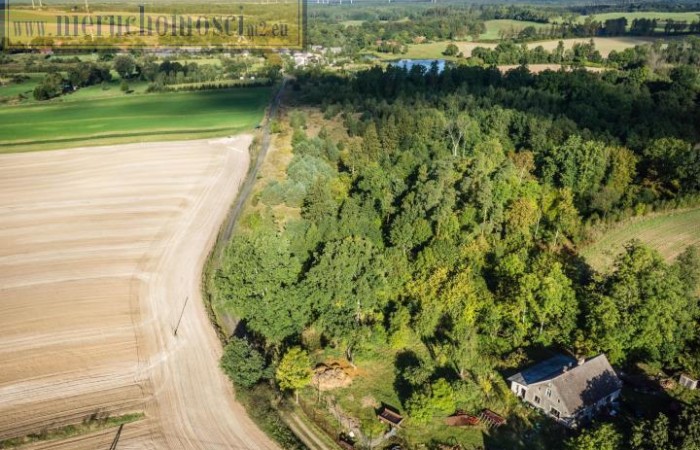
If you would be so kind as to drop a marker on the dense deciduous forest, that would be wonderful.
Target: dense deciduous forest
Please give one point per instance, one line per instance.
(445, 227)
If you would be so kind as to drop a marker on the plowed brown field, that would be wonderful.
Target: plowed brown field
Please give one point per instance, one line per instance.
(101, 250)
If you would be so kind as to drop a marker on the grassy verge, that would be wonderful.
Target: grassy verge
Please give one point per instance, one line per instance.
(89, 425)
(265, 408)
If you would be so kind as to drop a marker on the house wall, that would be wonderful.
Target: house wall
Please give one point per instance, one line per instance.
(546, 402)
(554, 401)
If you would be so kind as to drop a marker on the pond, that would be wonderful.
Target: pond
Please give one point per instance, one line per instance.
(408, 64)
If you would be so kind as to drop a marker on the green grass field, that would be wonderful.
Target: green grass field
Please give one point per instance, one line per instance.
(11, 91)
(494, 27)
(687, 16)
(433, 50)
(352, 23)
(122, 118)
(26, 87)
(669, 233)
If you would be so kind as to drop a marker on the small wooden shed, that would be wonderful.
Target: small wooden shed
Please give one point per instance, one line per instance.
(389, 416)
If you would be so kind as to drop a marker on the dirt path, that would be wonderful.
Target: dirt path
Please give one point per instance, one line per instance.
(100, 250)
(308, 436)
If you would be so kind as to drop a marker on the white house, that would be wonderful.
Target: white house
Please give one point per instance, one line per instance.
(571, 392)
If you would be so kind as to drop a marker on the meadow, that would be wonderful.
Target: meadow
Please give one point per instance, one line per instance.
(11, 92)
(82, 117)
(494, 27)
(12, 89)
(677, 16)
(668, 233)
(603, 44)
(433, 50)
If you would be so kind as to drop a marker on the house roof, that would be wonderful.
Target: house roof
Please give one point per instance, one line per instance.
(544, 370)
(577, 385)
(586, 383)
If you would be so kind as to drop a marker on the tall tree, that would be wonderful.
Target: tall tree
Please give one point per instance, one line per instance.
(345, 286)
(243, 364)
(257, 281)
(294, 371)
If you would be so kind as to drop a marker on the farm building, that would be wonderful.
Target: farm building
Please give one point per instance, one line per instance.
(568, 391)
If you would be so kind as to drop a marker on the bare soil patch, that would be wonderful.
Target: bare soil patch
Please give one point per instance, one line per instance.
(101, 250)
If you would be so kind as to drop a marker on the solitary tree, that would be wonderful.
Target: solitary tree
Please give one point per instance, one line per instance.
(451, 50)
(124, 65)
(294, 371)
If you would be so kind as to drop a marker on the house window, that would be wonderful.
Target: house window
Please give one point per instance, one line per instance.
(554, 412)
(537, 400)
(548, 392)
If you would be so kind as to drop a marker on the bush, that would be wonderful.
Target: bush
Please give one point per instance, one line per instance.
(275, 126)
(273, 194)
(294, 194)
(50, 87)
(443, 397)
(451, 50)
(297, 119)
(425, 404)
(258, 402)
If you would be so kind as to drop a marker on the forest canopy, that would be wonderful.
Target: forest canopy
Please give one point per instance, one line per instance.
(446, 224)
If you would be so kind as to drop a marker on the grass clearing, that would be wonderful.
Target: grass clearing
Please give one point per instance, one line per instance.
(669, 233)
(130, 117)
(11, 89)
(603, 44)
(494, 27)
(433, 50)
(630, 16)
(352, 23)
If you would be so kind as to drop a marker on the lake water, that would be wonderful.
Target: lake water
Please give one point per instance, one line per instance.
(427, 63)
